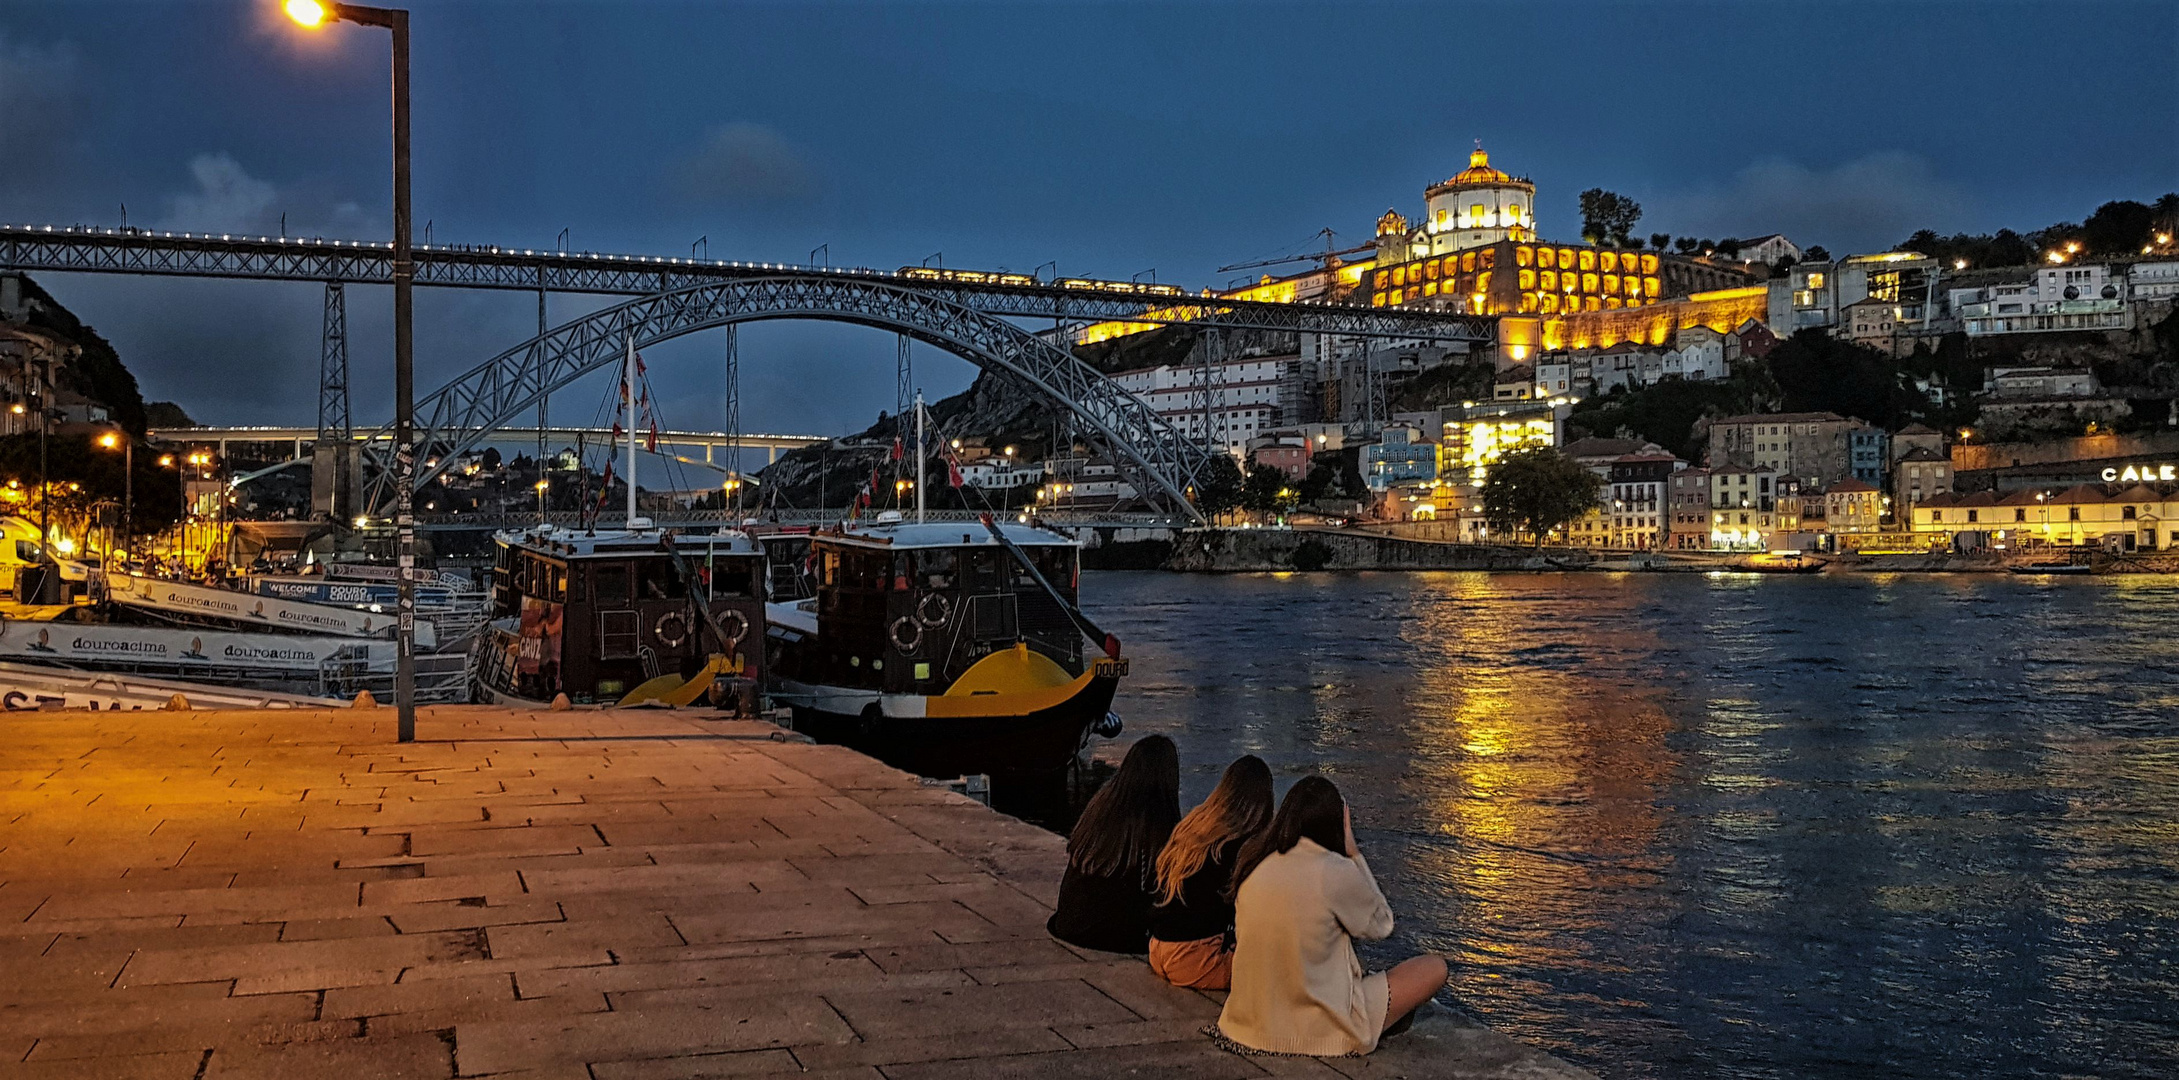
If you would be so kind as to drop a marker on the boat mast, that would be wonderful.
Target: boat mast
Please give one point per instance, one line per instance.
(919, 457)
(628, 383)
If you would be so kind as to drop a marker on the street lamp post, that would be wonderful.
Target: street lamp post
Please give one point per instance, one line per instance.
(128, 483)
(315, 13)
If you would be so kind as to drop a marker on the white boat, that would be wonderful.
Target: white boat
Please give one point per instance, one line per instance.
(29, 686)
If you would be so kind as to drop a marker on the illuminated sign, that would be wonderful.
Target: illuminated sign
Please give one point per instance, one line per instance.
(2141, 473)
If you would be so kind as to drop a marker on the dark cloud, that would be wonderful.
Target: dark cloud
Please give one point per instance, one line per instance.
(748, 164)
(1865, 204)
(41, 110)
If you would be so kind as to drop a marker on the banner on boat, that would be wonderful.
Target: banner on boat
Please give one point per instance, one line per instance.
(27, 686)
(120, 646)
(344, 593)
(159, 594)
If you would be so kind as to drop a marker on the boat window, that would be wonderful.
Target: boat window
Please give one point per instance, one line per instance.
(984, 569)
(558, 594)
(862, 570)
(935, 567)
(1057, 565)
(731, 579)
(659, 579)
(829, 569)
(609, 583)
(26, 551)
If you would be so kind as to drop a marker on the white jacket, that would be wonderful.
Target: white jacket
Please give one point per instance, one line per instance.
(1298, 988)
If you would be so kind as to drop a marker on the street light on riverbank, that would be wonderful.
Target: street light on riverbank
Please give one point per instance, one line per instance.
(314, 13)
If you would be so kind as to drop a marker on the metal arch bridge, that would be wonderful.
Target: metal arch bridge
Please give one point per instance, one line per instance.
(94, 249)
(459, 416)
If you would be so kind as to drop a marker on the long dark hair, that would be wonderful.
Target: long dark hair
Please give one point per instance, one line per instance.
(1238, 808)
(1129, 819)
(1312, 809)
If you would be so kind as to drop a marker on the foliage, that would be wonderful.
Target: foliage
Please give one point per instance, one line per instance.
(1608, 216)
(1537, 490)
(1218, 488)
(2118, 228)
(96, 372)
(1659, 241)
(1686, 245)
(1820, 373)
(1333, 474)
(1729, 247)
(1666, 413)
(97, 476)
(166, 414)
(1817, 253)
(1266, 490)
(1310, 555)
(1446, 384)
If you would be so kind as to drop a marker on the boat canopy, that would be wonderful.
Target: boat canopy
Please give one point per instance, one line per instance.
(942, 534)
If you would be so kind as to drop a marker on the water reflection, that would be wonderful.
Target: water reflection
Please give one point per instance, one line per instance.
(1728, 826)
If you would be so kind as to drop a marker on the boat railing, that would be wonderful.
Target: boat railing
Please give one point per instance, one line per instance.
(441, 677)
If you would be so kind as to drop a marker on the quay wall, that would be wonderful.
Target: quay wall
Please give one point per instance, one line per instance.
(1257, 550)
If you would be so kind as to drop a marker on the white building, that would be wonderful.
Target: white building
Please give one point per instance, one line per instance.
(1249, 396)
(2040, 382)
(2088, 297)
(1477, 206)
(997, 473)
(1772, 249)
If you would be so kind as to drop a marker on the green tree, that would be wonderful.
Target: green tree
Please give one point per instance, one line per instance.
(1686, 245)
(1537, 490)
(1267, 490)
(1659, 241)
(1218, 488)
(2118, 228)
(1608, 217)
(1816, 253)
(1818, 372)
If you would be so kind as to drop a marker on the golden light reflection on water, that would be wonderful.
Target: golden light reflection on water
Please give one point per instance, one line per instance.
(1542, 782)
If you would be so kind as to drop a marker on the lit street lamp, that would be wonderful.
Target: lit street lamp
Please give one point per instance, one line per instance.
(314, 13)
(128, 481)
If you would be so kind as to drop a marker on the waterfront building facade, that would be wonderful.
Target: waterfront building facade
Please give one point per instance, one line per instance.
(1636, 500)
(2121, 516)
(1743, 507)
(1474, 436)
(1919, 475)
(1816, 449)
(1687, 509)
(1248, 396)
(1851, 506)
(1400, 458)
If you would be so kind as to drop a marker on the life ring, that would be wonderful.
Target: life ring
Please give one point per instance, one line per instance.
(943, 604)
(909, 641)
(671, 630)
(733, 626)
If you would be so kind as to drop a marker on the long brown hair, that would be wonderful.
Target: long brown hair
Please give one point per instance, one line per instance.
(1312, 809)
(1238, 808)
(1128, 820)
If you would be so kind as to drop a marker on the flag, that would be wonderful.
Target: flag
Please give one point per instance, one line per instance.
(650, 440)
(876, 482)
(953, 472)
(898, 451)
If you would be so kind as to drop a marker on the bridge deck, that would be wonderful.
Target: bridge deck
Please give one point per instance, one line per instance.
(583, 894)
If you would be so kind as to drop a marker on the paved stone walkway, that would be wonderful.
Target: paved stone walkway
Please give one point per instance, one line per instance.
(633, 895)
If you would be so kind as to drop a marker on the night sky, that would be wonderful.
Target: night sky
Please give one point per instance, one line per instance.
(1113, 139)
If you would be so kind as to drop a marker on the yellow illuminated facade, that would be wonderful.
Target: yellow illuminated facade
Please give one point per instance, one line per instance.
(1723, 310)
(1517, 278)
(1471, 445)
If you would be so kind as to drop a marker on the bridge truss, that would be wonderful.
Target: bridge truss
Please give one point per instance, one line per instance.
(456, 418)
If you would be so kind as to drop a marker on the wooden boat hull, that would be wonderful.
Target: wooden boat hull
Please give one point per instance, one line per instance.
(999, 741)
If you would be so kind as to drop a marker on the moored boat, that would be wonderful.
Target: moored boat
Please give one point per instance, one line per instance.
(622, 615)
(946, 649)
(2045, 568)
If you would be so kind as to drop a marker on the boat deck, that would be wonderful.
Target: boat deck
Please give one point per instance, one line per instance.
(612, 894)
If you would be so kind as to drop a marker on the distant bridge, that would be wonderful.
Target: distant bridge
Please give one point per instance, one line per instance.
(709, 441)
(1070, 519)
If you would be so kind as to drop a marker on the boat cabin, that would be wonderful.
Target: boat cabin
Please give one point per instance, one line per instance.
(595, 613)
(906, 608)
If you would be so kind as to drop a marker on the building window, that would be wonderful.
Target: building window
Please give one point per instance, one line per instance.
(2073, 513)
(2126, 512)
(2020, 515)
(1936, 515)
(1974, 516)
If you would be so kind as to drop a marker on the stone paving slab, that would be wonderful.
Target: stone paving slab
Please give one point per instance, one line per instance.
(627, 895)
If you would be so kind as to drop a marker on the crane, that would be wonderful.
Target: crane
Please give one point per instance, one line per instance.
(1327, 259)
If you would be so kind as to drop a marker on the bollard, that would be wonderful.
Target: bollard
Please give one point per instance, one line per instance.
(364, 700)
(560, 703)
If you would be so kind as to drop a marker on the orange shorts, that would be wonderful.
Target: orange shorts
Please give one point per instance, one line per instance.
(1206, 964)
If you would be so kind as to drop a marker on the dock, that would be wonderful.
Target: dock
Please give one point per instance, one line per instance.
(608, 895)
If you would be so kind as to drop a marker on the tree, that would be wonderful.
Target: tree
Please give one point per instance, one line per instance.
(1537, 490)
(166, 414)
(1218, 486)
(1729, 247)
(1820, 373)
(1686, 245)
(1266, 491)
(2167, 211)
(2007, 248)
(1606, 216)
(1659, 241)
(1816, 253)
(2118, 228)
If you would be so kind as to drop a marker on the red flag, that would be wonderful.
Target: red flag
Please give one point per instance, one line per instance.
(953, 473)
(650, 440)
(616, 438)
(876, 481)
(898, 451)
(639, 365)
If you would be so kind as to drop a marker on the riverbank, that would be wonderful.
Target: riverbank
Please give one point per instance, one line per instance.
(624, 894)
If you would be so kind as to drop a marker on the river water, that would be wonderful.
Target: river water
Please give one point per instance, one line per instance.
(1726, 826)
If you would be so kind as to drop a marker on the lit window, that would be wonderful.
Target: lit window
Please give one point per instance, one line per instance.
(1430, 270)
(1550, 303)
(1397, 296)
(1568, 282)
(1611, 281)
(1566, 258)
(1475, 213)
(1815, 281)
(1650, 287)
(1430, 289)
(1488, 257)
(1524, 256)
(1588, 284)
(1399, 275)
(1513, 212)
(1383, 278)
(1550, 279)
(1649, 264)
(1588, 259)
(1467, 262)
(1608, 260)
(1528, 279)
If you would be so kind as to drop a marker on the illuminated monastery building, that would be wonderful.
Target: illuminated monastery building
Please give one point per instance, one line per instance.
(1476, 250)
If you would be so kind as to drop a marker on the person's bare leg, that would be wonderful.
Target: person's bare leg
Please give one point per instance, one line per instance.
(1410, 984)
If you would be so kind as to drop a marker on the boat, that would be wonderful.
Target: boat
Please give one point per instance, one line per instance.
(630, 616)
(1779, 562)
(623, 616)
(2050, 568)
(946, 650)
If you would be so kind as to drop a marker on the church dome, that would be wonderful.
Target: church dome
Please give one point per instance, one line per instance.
(1480, 174)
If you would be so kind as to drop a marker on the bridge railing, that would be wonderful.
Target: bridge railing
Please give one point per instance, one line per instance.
(687, 518)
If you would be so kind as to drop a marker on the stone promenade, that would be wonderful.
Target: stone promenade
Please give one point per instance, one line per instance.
(632, 895)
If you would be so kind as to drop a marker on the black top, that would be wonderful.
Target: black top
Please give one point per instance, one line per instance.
(1200, 909)
(1111, 914)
